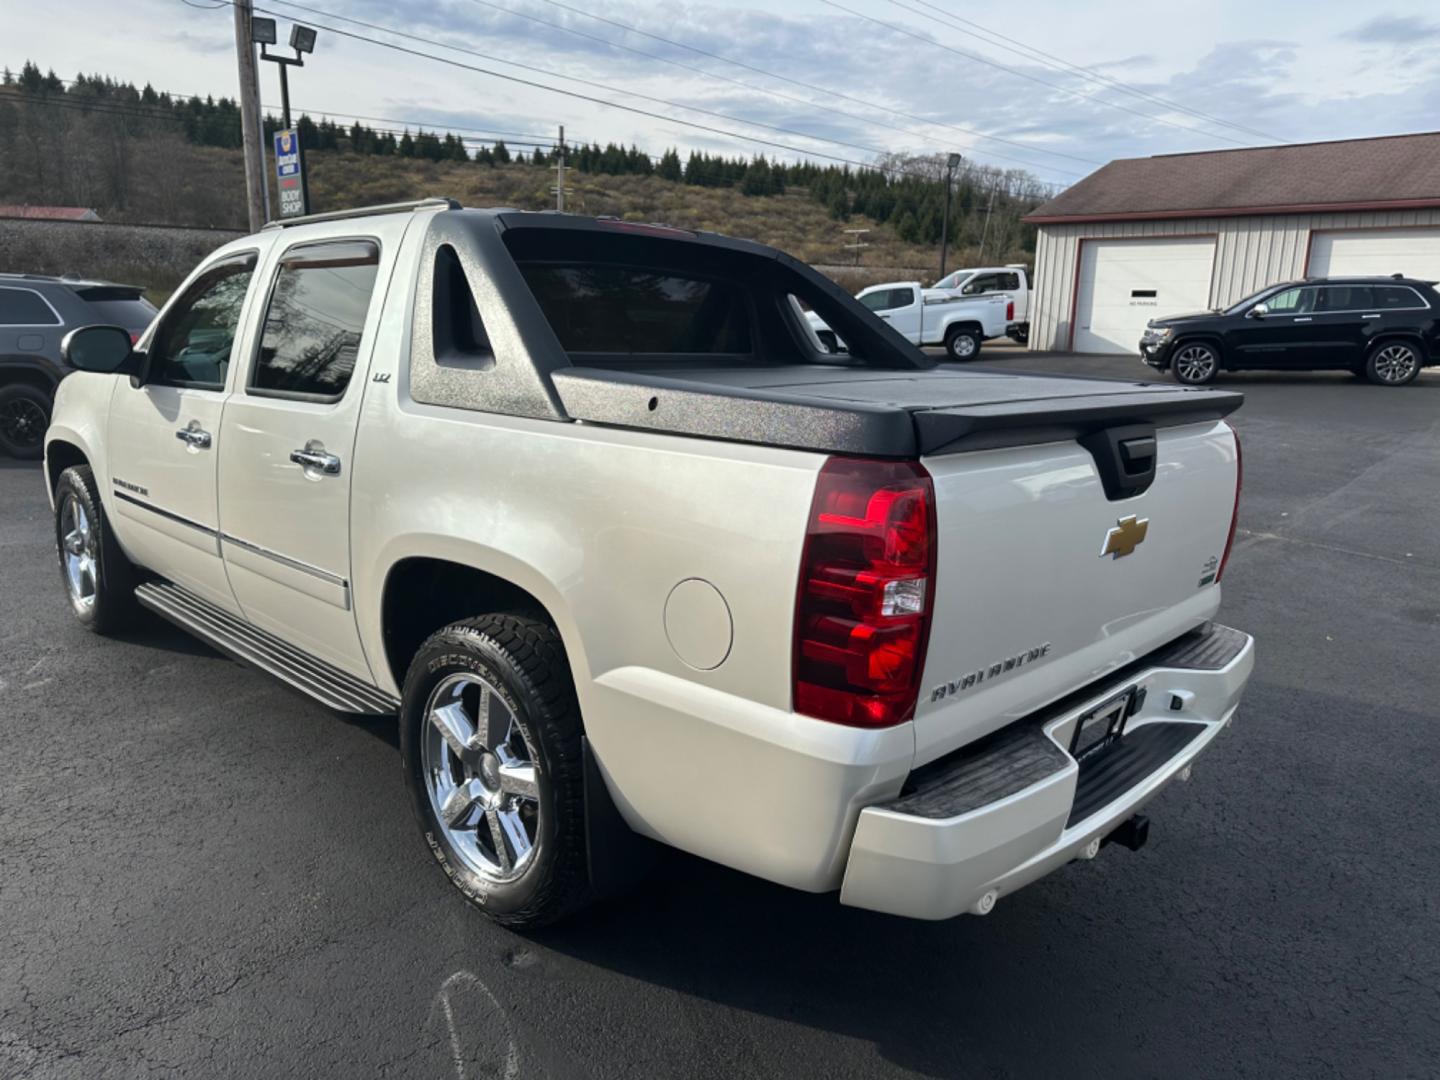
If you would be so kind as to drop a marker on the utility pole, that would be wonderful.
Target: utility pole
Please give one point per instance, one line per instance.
(950, 163)
(857, 243)
(560, 173)
(250, 118)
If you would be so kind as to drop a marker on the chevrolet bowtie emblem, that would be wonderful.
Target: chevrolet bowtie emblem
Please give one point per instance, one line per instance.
(1125, 537)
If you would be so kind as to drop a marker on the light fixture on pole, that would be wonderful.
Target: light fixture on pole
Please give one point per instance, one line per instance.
(951, 164)
(290, 172)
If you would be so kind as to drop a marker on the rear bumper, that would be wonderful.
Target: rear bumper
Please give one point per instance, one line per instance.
(933, 852)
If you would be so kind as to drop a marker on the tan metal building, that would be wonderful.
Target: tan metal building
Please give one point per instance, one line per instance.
(1147, 237)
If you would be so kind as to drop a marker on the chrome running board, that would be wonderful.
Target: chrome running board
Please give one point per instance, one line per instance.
(249, 644)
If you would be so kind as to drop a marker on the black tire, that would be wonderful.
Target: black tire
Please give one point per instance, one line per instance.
(1020, 334)
(521, 659)
(962, 345)
(24, 417)
(1393, 363)
(111, 577)
(1195, 363)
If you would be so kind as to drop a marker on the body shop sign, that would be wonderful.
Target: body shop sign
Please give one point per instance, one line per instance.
(289, 177)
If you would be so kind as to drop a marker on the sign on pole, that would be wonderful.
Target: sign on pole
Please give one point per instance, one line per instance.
(290, 173)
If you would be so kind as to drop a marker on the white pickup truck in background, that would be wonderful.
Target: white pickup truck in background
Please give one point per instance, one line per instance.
(928, 317)
(630, 555)
(1012, 281)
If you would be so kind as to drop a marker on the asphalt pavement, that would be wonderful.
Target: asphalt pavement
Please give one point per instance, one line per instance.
(203, 874)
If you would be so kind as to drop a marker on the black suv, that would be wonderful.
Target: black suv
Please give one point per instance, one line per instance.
(1385, 328)
(36, 312)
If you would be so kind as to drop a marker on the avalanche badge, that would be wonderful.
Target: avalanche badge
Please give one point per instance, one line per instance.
(1125, 537)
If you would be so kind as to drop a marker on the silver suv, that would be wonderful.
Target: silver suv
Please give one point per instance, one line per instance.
(36, 312)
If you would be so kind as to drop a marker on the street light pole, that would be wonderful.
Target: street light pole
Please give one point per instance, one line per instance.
(302, 40)
(950, 164)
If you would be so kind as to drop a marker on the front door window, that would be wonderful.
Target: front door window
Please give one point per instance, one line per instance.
(191, 348)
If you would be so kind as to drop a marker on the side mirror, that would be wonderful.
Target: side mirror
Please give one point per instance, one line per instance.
(1259, 311)
(103, 349)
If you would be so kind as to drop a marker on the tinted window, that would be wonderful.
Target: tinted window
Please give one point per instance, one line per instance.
(25, 307)
(1397, 296)
(1345, 298)
(192, 346)
(315, 318)
(981, 283)
(595, 307)
(1292, 302)
(131, 314)
(1010, 281)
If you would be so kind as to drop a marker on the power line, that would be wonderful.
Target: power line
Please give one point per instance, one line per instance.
(576, 79)
(977, 58)
(735, 135)
(823, 90)
(1031, 53)
(752, 88)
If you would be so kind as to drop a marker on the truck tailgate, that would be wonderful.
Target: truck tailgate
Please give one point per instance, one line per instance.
(1028, 608)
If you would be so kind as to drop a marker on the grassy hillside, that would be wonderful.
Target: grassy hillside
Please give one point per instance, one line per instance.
(792, 221)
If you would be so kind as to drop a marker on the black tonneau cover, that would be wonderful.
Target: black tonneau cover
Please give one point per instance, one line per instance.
(873, 412)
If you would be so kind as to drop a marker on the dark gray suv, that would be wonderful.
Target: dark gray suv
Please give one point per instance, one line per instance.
(36, 311)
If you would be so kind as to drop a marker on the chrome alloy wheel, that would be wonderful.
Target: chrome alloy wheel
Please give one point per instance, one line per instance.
(1395, 363)
(481, 777)
(1194, 363)
(77, 546)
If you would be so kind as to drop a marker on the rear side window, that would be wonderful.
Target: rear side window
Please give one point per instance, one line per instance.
(133, 315)
(25, 307)
(1393, 297)
(315, 318)
(600, 308)
(1345, 298)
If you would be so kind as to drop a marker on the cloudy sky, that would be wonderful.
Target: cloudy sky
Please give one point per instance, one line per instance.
(1050, 85)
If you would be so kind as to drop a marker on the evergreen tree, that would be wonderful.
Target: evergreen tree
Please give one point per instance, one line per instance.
(407, 145)
(502, 153)
(669, 168)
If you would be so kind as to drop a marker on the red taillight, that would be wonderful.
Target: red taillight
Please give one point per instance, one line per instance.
(867, 588)
(1010, 311)
(1235, 512)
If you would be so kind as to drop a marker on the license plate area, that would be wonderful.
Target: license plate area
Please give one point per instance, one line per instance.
(1103, 725)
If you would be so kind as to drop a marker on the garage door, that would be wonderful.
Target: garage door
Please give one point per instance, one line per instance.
(1124, 283)
(1413, 252)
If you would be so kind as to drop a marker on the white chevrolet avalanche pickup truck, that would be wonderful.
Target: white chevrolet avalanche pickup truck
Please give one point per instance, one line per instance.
(585, 504)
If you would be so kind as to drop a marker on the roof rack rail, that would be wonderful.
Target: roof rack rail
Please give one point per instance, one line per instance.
(433, 203)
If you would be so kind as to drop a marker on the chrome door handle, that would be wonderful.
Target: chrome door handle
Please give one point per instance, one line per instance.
(1375, 316)
(313, 458)
(193, 436)
(1303, 318)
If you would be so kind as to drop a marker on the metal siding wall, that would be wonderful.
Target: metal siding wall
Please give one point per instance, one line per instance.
(1250, 253)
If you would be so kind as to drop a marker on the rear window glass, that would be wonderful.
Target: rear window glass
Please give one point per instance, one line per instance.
(25, 307)
(602, 308)
(1397, 296)
(131, 314)
(315, 319)
(1345, 298)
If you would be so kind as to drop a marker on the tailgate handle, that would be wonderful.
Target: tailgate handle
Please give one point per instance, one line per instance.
(1124, 457)
(1138, 454)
